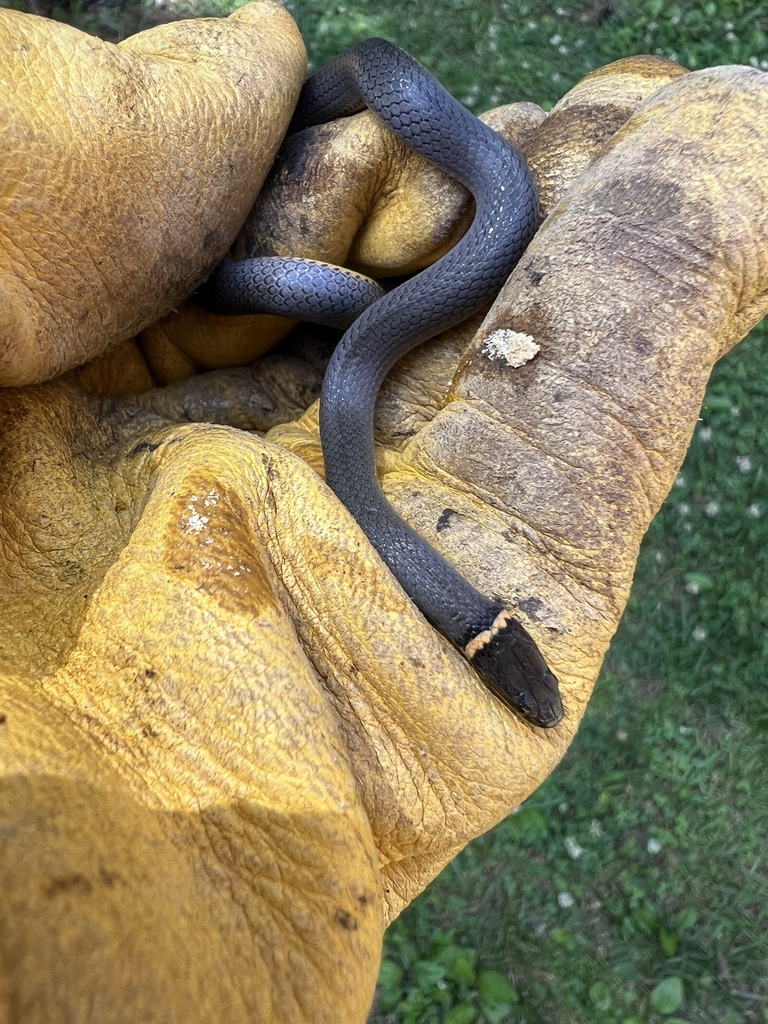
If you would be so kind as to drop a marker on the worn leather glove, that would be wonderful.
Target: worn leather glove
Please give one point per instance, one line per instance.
(231, 748)
(127, 171)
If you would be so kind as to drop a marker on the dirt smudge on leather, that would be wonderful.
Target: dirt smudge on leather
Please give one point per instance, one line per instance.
(214, 549)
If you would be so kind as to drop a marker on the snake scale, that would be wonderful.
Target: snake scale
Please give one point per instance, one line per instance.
(378, 75)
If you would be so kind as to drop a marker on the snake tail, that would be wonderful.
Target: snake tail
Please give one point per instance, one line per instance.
(319, 293)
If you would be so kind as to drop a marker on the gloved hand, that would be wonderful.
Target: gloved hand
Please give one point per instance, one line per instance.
(127, 171)
(231, 748)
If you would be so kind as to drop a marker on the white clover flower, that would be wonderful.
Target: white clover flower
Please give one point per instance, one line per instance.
(753, 511)
(556, 76)
(573, 848)
(622, 736)
(692, 587)
(555, 40)
(565, 899)
(699, 634)
(563, 807)
(679, 480)
(753, 61)
(744, 463)
(562, 49)
(705, 433)
(728, 26)
(578, 44)
(712, 508)
(683, 508)
(730, 37)
(653, 846)
(735, 410)
(596, 829)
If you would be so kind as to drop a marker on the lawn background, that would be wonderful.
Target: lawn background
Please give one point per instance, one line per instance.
(632, 888)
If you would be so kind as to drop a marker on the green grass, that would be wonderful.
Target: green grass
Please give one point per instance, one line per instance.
(496, 51)
(632, 888)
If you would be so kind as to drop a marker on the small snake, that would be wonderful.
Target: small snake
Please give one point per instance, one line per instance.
(379, 75)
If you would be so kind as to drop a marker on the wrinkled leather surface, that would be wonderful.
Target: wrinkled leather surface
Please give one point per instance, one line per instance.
(127, 171)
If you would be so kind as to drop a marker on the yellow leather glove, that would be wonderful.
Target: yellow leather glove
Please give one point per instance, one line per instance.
(231, 749)
(127, 171)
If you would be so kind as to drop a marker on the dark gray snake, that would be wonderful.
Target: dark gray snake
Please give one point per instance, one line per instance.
(428, 119)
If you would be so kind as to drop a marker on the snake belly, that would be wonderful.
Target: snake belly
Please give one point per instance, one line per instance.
(378, 75)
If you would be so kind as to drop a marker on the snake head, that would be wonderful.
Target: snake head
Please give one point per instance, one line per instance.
(506, 657)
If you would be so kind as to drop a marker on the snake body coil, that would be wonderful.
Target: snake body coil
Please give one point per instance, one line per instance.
(428, 119)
